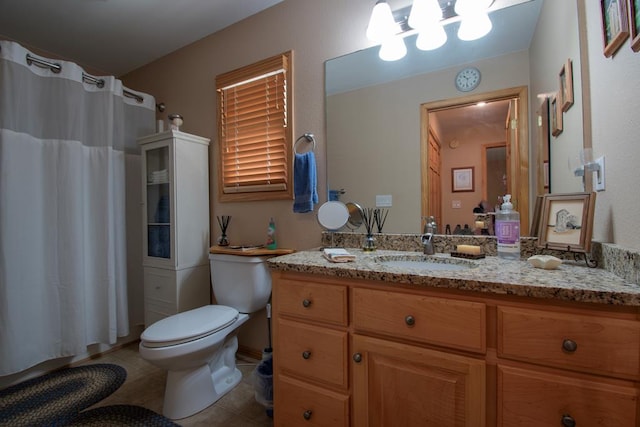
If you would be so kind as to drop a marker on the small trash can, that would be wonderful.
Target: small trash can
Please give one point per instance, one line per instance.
(263, 382)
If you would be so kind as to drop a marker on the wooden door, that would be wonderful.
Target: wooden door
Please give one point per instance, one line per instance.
(397, 384)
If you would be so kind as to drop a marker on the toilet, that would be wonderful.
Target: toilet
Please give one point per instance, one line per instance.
(198, 347)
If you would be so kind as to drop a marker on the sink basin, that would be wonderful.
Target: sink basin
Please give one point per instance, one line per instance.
(425, 262)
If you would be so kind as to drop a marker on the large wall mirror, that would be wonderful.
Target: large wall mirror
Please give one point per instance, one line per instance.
(381, 115)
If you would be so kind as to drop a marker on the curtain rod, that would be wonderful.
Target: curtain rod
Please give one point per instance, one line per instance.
(56, 68)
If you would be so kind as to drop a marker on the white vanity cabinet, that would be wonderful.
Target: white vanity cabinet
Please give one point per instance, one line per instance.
(175, 223)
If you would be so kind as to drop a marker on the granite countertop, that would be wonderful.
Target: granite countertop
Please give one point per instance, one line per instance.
(572, 281)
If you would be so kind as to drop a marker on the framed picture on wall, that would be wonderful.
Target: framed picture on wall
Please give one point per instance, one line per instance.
(615, 28)
(556, 116)
(462, 179)
(567, 222)
(634, 24)
(566, 85)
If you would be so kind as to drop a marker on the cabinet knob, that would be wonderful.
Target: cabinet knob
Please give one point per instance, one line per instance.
(306, 354)
(357, 357)
(307, 414)
(410, 320)
(569, 346)
(568, 421)
(306, 303)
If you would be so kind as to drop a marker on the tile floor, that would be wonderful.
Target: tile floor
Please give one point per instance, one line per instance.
(145, 387)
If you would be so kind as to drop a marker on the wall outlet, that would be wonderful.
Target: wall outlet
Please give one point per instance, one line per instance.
(384, 200)
(598, 176)
(456, 204)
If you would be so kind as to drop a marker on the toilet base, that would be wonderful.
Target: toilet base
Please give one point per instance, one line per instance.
(188, 392)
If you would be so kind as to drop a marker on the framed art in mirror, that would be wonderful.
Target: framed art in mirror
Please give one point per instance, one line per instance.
(566, 85)
(615, 27)
(567, 222)
(462, 179)
(634, 24)
(556, 115)
(537, 215)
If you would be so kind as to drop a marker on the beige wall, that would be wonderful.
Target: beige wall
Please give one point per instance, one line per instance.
(615, 103)
(320, 30)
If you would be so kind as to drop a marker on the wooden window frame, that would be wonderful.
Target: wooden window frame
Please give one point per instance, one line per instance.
(273, 68)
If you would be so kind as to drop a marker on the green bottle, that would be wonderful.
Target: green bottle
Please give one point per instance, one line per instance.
(271, 235)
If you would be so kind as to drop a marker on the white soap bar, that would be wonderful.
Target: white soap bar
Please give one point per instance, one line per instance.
(468, 249)
(547, 262)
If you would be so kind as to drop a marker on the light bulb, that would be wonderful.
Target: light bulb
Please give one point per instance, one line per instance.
(381, 24)
(424, 13)
(474, 27)
(393, 49)
(431, 37)
(471, 7)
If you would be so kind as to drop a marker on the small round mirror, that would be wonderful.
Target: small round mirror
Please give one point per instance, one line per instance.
(355, 215)
(333, 215)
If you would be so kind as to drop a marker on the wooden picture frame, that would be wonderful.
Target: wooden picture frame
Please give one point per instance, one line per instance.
(555, 115)
(634, 23)
(462, 179)
(566, 85)
(545, 176)
(615, 25)
(537, 215)
(567, 222)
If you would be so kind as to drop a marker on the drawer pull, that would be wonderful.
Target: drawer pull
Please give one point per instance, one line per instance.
(568, 421)
(410, 320)
(357, 357)
(306, 303)
(306, 354)
(307, 414)
(569, 346)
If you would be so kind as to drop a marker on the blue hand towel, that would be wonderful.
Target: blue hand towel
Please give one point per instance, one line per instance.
(304, 182)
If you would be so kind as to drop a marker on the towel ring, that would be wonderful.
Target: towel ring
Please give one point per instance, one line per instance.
(309, 138)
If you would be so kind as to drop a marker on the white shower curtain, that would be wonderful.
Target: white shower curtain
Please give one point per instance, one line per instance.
(68, 157)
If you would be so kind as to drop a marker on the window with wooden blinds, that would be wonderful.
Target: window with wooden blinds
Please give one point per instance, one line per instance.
(254, 104)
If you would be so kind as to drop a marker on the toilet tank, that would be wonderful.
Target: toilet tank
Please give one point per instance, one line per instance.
(241, 282)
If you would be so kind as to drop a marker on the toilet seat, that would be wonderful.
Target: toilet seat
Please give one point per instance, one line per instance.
(189, 326)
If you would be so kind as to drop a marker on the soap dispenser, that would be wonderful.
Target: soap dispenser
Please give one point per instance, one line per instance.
(508, 230)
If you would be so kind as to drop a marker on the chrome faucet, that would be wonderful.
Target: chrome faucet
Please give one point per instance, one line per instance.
(427, 244)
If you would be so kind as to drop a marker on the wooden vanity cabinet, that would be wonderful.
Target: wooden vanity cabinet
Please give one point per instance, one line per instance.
(372, 370)
(580, 368)
(365, 353)
(311, 375)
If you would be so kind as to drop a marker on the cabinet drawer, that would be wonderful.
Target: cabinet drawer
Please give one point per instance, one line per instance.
(440, 321)
(533, 399)
(298, 403)
(578, 342)
(312, 301)
(160, 285)
(311, 352)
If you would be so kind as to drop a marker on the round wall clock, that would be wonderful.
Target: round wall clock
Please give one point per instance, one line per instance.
(468, 79)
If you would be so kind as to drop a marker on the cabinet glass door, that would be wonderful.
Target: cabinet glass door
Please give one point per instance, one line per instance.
(158, 203)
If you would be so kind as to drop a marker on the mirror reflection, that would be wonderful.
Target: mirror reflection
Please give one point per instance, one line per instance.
(377, 130)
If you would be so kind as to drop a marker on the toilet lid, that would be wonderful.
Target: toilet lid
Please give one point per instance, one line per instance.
(189, 325)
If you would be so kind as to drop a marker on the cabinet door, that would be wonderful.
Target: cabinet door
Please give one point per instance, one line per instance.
(158, 203)
(396, 384)
(528, 398)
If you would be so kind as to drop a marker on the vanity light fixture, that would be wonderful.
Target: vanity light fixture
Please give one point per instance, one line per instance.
(427, 19)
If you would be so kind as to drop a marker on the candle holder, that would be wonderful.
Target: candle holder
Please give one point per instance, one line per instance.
(223, 222)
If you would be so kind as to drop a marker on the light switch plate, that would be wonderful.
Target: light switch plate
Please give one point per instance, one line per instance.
(598, 185)
(456, 204)
(384, 200)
